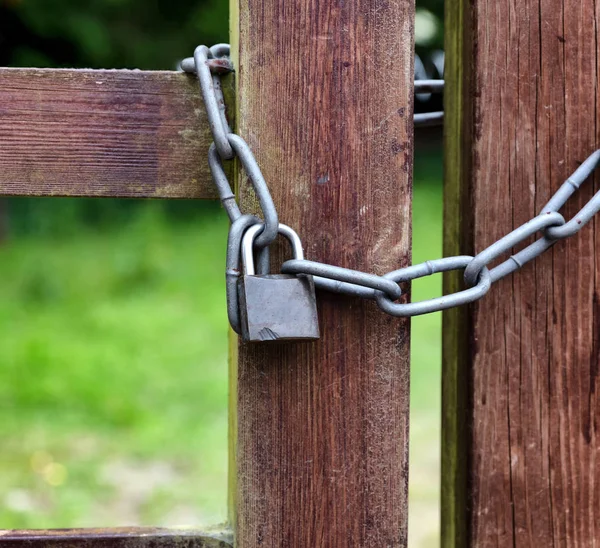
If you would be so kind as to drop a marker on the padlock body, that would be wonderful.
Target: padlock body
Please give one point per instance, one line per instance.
(278, 307)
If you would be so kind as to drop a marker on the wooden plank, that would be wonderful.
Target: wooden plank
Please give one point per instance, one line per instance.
(121, 537)
(521, 409)
(119, 133)
(325, 102)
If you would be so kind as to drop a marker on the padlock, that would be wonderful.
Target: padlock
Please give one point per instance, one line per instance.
(276, 307)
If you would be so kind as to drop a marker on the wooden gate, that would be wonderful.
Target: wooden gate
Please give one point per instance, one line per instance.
(319, 432)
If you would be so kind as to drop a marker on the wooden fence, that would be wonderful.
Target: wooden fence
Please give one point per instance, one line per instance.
(319, 432)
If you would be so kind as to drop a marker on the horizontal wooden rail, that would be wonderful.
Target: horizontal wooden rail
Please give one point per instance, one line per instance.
(118, 133)
(123, 537)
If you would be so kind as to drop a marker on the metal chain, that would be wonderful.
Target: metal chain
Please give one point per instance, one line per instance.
(210, 63)
(428, 80)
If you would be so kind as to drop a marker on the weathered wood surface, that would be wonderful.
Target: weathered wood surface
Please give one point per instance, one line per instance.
(120, 537)
(325, 101)
(521, 462)
(103, 133)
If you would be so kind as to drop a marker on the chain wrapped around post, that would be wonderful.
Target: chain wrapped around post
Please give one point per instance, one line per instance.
(210, 63)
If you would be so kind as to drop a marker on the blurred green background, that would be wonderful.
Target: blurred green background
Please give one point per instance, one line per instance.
(113, 378)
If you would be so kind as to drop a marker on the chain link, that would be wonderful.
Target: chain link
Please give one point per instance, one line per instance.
(426, 84)
(210, 63)
(439, 303)
(212, 96)
(355, 280)
(505, 244)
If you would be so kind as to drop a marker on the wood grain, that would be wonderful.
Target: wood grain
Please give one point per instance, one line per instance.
(118, 537)
(103, 133)
(325, 101)
(521, 410)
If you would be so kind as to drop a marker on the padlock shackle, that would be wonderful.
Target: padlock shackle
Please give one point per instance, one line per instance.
(248, 245)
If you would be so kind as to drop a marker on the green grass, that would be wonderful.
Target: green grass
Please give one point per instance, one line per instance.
(113, 360)
(113, 379)
(426, 356)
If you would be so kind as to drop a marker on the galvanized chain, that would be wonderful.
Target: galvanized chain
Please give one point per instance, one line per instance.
(428, 80)
(210, 63)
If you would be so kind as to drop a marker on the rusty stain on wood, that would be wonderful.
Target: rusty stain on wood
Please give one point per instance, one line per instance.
(119, 133)
(120, 537)
(325, 102)
(521, 409)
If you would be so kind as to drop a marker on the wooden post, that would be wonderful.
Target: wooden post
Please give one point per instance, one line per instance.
(521, 410)
(325, 102)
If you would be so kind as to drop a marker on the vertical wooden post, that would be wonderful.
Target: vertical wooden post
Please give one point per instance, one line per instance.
(521, 409)
(325, 102)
